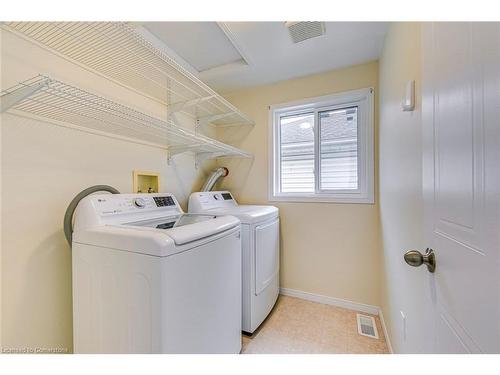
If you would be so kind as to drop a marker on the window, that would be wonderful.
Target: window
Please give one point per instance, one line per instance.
(322, 149)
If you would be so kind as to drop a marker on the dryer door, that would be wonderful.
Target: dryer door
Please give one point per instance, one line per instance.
(267, 249)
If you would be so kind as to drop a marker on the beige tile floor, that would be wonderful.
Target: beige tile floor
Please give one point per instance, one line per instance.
(303, 327)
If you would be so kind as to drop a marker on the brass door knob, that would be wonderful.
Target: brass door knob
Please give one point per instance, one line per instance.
(415, 259)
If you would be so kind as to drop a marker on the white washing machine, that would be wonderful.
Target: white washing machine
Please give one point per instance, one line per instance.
(260, 249)
(149, 279)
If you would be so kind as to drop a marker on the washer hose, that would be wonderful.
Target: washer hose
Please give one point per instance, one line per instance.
(68, 216)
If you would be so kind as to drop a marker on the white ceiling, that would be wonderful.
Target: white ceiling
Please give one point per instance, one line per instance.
(234, 55)
(203, 44)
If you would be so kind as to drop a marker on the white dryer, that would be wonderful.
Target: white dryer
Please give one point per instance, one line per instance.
(149, 279)
(260, 250)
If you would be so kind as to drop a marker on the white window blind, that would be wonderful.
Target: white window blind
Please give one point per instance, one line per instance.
(322, 149)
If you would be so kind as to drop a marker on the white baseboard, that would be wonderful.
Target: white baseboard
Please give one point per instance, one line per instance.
(384, 328)
(339, 302)
(369, 309)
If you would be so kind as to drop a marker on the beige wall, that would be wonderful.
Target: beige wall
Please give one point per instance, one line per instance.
(1, 225)
(329, 249)
(43, 167)
(326, 248)
(400, 170)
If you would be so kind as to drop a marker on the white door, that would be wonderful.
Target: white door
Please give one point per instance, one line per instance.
(461, 120)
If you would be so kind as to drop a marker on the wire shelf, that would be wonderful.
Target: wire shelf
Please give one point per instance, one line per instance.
(116, 50)
(51, 99)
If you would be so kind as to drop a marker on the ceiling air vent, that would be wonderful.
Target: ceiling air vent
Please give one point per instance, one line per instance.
(366, 326)
(300, 31)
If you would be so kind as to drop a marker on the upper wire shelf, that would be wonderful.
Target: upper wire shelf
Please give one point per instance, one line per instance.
(51, 99)
(119, 52)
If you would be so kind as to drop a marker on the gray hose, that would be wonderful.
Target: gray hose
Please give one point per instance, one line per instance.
(214, 177)
(68, 216)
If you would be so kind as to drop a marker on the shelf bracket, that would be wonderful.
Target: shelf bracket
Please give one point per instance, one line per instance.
(179, 149)
(202, 156)
(173, 108)
(237, 124)
(10, 99)
(202, 121)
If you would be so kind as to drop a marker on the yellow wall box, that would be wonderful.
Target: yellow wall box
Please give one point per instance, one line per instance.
(146, 182)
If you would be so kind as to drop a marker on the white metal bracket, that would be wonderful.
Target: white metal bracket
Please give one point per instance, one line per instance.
(172, 108)
(174, 150)
(200, 157)
(202, 121)
(10, 99)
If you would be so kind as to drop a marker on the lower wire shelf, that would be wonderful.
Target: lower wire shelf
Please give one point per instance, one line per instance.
(47, 98)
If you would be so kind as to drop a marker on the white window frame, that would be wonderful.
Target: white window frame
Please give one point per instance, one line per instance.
(364, 100)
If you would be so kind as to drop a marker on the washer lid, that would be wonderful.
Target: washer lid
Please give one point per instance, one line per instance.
(175, 221)
(145, 238)
(187, 228)
(248, 214)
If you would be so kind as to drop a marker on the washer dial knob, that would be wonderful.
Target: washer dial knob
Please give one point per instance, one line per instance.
(139, 202)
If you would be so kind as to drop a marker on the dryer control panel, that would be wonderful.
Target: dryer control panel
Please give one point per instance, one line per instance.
(210, 199)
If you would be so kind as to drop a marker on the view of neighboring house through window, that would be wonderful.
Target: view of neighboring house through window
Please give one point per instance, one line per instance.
(338, 134)
(323, 149)
(297, 153)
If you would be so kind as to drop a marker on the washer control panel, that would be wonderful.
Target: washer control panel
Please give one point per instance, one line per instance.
(114, 204)
(139, 202)
(164, 201)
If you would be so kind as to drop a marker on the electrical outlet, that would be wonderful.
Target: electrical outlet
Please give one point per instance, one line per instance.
(403, 325)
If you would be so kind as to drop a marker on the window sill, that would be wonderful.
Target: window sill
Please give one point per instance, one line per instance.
(322, 199)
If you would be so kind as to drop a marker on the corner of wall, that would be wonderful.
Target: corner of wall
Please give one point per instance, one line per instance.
(400, 198)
